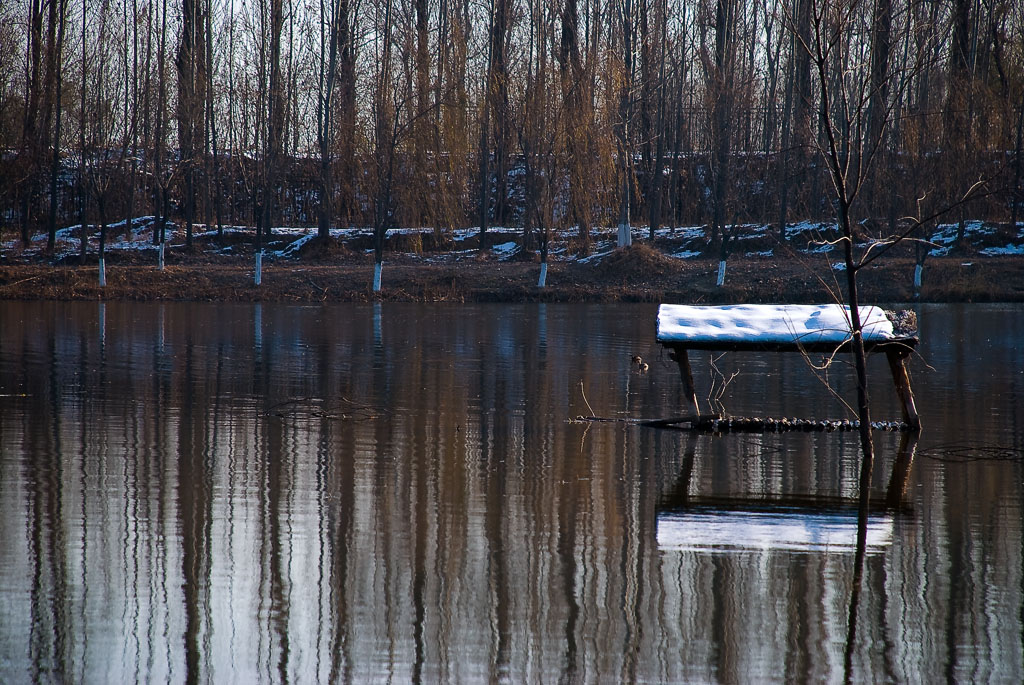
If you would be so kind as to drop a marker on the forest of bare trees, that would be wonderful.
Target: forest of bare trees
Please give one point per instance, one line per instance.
(540, 114)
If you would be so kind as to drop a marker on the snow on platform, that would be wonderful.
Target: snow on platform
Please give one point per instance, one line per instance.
(768, 324)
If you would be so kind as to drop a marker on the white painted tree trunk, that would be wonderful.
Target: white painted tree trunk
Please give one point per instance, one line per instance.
(917, 276)
(721, 274)
(377, 266)
(259, 267)
(103, 272)
(625, 236)
(543, 280)
(160, 258)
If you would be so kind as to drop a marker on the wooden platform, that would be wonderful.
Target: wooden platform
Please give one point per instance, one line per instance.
(783, 328)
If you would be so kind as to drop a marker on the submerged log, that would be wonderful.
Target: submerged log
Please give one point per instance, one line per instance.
(655, 423)
(714, 423)
(741, 424)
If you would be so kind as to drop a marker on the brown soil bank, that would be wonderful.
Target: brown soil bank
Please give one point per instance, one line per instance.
(636, 278)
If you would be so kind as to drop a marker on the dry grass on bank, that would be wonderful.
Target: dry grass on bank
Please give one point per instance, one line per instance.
(638, 274)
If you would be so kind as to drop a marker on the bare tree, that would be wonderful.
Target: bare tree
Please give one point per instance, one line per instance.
(655, 95)
(275, 123)
(193, 82)
(494, 127)
(338, 39)
(385, 137)
(720, 92)
(576, 95)
(287, 127)
(54, 104)
(30, 152)
(539, 134)
(161, 179)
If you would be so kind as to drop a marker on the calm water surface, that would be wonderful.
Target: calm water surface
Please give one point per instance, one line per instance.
(247, 493)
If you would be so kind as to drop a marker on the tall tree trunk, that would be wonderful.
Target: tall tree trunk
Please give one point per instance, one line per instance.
(654, 180)
(275, 119)
(879, 94)
(32, 134)
(161, 202)
(957, 123)
(1016, 194)
(55, 84)
(625, 237)
(191, 103)
(83, 160)
(575, 133)
(880, 57)
(385, 124)
(500, 109)
(783, 169)
(494, 129)
(337, 22)
(346, 114)
(721, 107)
(802, 136)
(425, 197)
(212, 123)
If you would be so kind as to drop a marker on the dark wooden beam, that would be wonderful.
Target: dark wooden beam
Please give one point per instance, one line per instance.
(680, 356)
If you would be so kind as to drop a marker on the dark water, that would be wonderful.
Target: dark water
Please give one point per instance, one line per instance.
(231, 493)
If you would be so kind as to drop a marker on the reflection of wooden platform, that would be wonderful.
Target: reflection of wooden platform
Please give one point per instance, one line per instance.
(782, 328)
(678, 496)
(787, 522)
(674, 501)
(787, 530)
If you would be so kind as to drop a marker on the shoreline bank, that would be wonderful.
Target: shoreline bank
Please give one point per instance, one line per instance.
(774, 279)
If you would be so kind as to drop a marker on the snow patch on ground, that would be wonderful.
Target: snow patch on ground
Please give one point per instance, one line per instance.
(457, 255)
(750, 231)
(67, 234)
(504, 250)
(683, 232)
(293, 248)
(803, 226)
(1010, 249)
(595, 257)
(680, 242)
(945, 234)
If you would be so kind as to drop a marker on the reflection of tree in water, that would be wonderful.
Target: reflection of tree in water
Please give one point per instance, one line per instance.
(342, 409)
(960, 453)
(263, 520)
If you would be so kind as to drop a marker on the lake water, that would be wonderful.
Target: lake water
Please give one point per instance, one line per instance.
(269, 493)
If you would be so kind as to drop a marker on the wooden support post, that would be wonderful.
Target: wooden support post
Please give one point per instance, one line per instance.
(680, 493)
(902, 381)
(689, 394)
